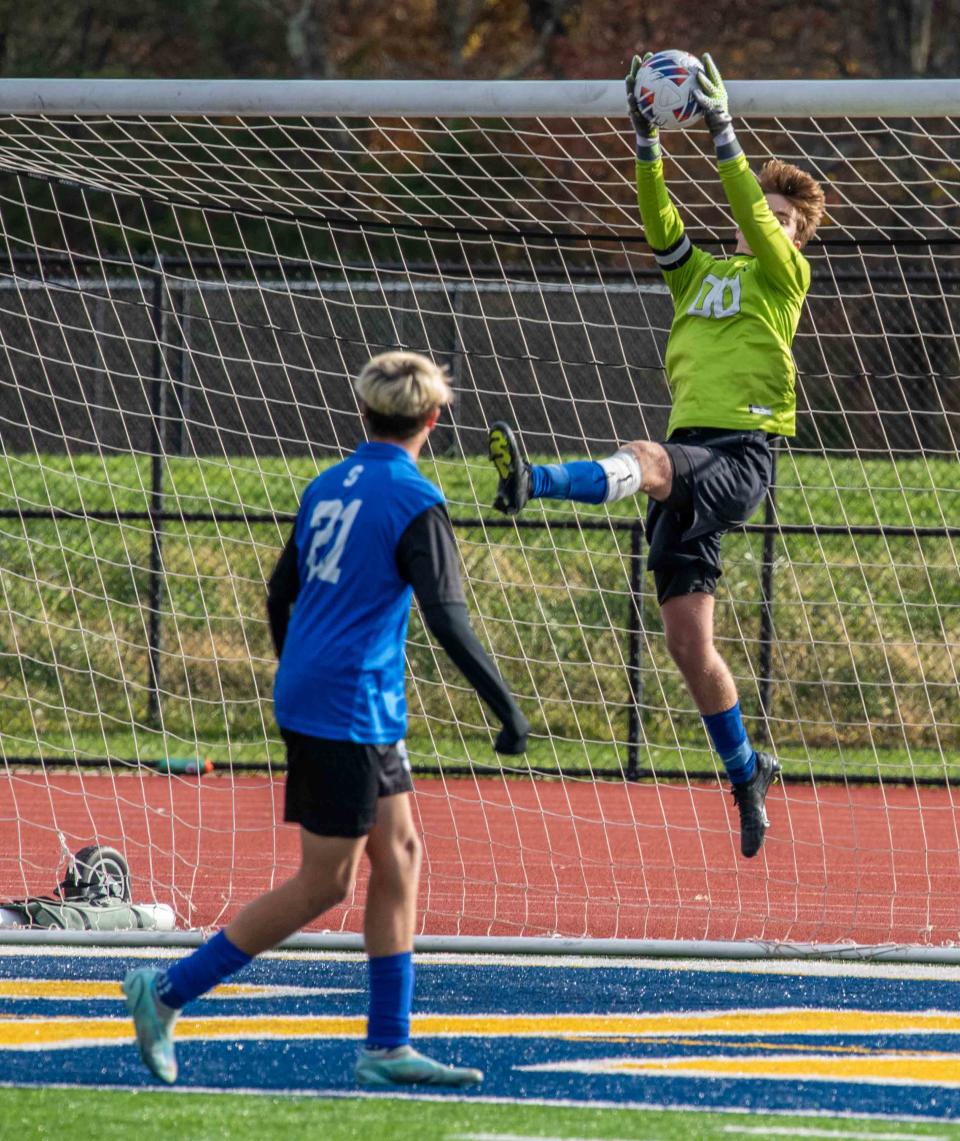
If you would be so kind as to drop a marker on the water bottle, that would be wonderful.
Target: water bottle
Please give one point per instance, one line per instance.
(187, 766)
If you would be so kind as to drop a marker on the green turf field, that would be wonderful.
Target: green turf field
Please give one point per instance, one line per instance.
(105, 1115)
(864, 675)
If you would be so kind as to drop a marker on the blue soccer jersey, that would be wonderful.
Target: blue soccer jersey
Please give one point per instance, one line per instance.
(341, 671)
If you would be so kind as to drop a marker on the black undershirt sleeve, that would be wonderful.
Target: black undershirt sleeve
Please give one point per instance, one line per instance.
(282, 591)
(427, 559)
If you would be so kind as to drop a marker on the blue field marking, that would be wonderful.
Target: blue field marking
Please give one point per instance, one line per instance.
(463, 986)
(794, 1043)
(278, 1067)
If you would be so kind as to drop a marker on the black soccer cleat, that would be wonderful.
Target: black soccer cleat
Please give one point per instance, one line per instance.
(750, 799)
(513, 490)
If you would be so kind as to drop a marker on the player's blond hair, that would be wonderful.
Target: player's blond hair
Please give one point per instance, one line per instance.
(399, 390)
(800, 189)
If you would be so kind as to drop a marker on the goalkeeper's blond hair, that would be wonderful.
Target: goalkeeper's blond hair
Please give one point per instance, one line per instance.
(800, 189)
(399, 391)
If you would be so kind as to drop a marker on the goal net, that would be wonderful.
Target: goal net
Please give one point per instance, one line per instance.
(189, 276)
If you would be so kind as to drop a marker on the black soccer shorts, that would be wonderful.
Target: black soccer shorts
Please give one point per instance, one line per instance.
(720, 477)
(333, 786)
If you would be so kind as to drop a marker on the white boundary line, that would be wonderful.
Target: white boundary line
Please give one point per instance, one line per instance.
(809, 968)
(496, 945)
(847, 1135)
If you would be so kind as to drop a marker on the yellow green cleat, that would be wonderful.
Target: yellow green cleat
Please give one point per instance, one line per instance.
(513, 490)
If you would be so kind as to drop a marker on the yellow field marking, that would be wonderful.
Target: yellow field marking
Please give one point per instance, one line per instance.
(58, 988)
(25, 1032)
(74, 989)
(927, 1069)
(51, 1032)
(748, 1023)
(752, 1044)
(900, 1069)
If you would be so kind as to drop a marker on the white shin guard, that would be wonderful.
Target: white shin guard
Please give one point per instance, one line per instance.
(624, 475)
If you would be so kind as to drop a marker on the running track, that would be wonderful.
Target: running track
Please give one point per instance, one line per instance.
(539, 858)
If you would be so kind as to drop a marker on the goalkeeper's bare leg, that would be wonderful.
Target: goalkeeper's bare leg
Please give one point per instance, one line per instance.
(688, 629)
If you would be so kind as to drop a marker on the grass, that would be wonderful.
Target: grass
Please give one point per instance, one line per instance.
(864, 672)
(546, 756)
(95, 1115)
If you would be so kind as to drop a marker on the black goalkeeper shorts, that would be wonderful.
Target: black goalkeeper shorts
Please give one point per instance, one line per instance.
(720, 477)
(333, 786)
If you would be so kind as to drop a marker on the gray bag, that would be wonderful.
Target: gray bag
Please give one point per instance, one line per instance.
(93, 896)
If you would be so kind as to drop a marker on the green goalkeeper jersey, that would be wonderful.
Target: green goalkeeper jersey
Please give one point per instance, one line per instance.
(728, 362)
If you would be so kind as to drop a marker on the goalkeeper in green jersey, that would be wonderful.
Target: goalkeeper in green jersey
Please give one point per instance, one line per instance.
(731, 376)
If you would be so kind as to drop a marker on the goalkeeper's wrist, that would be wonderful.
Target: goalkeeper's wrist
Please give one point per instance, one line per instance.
(725, 140)
(648, 147)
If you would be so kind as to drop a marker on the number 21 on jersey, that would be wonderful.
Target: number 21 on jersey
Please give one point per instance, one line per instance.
(326, 548)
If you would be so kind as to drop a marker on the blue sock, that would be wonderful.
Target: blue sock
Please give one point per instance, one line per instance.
(582, 480)
(391, 997)
(193, 976)
(730, 740)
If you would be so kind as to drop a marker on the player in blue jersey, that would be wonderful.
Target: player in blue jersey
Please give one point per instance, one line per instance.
(370, 533)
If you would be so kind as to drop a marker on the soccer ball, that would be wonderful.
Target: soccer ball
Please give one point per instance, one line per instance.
(665, 87)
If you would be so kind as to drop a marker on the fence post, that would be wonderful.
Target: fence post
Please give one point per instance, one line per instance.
(456, 344)
(765, 656)
(179, 371)
(158, 395)
(634, 636)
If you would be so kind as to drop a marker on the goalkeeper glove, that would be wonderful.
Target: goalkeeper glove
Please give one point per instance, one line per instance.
(712, 97)
(646, 131)
(512, 739)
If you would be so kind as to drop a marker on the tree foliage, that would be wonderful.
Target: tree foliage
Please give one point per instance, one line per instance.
(474, 39)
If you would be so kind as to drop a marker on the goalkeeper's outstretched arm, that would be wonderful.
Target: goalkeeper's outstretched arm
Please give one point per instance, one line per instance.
(661, 219)
(776, 249)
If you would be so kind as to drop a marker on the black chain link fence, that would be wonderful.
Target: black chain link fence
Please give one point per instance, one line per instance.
(158, 427)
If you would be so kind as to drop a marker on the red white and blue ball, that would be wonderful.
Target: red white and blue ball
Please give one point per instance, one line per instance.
(665, 89)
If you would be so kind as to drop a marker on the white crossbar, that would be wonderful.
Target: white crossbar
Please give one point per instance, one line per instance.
(852, 98)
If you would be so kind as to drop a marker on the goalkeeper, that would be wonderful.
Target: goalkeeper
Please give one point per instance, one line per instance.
(370, 532)
(731, 376)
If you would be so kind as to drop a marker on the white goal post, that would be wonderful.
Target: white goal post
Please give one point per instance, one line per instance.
(191, 270)
(442, 98)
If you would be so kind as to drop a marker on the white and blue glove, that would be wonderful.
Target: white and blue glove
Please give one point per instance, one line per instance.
(712, 97)
(646, 131)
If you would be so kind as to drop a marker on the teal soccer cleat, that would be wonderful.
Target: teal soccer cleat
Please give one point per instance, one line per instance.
(404, 1066)
(153, 1023)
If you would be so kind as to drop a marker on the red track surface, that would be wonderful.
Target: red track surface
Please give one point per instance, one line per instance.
(538, 858)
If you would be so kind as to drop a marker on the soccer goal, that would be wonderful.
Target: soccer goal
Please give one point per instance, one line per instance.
(190, 273)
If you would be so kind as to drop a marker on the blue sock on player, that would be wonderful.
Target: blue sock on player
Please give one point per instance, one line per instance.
(730, 740)
(391, 998)
(582, 480)
(193, 976)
